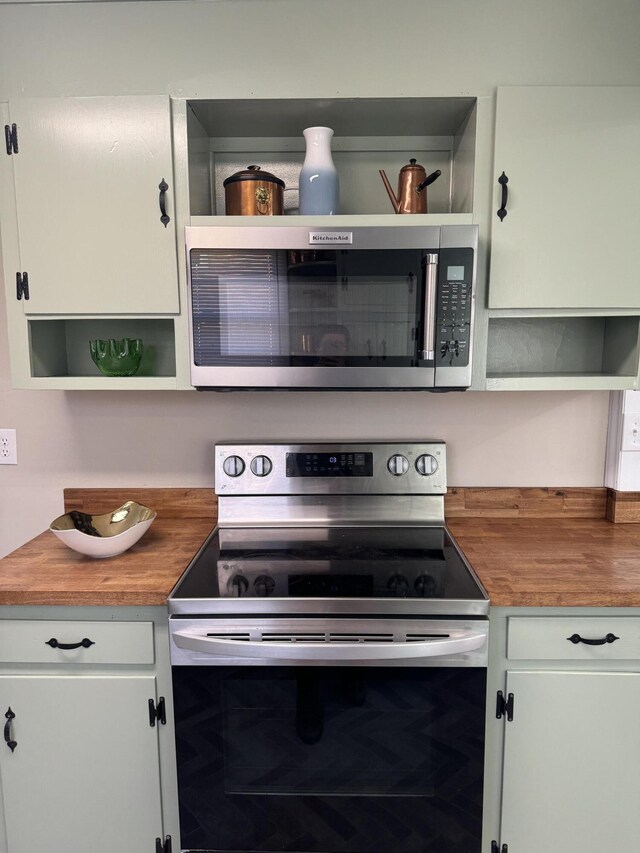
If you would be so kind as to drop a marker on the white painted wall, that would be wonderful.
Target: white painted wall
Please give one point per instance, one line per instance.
(299, 48)
(315, 48)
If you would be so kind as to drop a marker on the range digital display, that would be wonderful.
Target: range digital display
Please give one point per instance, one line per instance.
(330, 464)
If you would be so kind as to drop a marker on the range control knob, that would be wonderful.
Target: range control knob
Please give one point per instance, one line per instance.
(426, 464)
(398, 464)
(264, 585)
(237, 586)
(261, 466)
(233, 466)
(398, 585)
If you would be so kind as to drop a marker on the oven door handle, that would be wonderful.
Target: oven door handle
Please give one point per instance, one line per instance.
(329, 651)
(430, 273)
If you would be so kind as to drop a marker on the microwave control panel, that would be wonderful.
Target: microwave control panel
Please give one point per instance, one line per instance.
(454, 307)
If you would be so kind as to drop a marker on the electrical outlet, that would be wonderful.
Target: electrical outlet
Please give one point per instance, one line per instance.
(8, 448)
(630, 432)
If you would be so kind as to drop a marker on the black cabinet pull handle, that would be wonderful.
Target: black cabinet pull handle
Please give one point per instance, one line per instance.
(85, 643)
(11, 138)
(22, 285)
(576, 638)
(503, 180)
(163, 187)
(7, 730)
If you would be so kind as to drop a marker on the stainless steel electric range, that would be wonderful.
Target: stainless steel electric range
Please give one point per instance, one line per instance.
(329, 652)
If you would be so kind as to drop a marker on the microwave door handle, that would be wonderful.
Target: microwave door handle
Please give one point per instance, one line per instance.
(430, 272)
(311, 652)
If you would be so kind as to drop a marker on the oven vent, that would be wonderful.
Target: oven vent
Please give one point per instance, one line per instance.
(285, 637)
(323, 637)
(234, 635)
(326, 637)
(417, 638)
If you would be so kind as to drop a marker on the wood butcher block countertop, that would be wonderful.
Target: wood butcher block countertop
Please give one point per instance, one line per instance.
(537, 547)
(529, 547)
(46, 572)
(553, 562)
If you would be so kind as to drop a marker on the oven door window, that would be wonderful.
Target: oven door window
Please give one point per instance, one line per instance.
(330, 759)
(338, 308)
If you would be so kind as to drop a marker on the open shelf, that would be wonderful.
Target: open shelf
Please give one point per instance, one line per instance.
(59, 349)
(562, 352)
(225, 137)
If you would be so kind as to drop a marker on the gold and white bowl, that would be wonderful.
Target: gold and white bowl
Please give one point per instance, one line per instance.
(103, 535)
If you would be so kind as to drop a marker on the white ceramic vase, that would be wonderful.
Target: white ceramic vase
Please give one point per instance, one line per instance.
(319, 189)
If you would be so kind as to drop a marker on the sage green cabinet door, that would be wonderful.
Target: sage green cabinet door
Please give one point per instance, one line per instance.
(87, 179)
(570, 236)
(84, 775)
(572, 763)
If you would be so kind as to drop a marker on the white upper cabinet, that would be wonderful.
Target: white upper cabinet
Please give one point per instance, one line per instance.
(570, 236)
(87, 181)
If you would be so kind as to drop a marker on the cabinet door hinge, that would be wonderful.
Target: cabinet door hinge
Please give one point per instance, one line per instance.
(157, 712)
(495, 848)
(163, 846)
(11, 138)
(22, 285)
(504, 707)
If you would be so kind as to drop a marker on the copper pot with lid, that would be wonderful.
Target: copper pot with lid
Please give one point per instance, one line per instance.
(253, 192)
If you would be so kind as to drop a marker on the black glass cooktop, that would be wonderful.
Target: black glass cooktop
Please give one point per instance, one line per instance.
(398, 563)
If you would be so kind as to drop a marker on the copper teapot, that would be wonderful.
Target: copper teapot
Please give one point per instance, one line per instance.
(412, 183)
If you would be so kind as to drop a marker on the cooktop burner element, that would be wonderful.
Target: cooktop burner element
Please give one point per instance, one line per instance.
(342, 528)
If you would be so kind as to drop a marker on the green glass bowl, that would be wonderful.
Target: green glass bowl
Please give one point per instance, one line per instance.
(117, 358)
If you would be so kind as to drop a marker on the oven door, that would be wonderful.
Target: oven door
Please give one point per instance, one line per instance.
(324, 755)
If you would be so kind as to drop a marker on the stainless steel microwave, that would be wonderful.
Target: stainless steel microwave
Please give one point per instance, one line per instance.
(368, 307)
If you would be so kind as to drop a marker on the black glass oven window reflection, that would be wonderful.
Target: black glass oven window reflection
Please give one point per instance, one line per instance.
(349, 562)
(330, 760)
(338, 308)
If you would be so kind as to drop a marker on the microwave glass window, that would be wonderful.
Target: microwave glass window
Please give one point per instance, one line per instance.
(307, 307)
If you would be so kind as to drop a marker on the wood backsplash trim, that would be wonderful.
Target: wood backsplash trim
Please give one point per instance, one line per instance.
(623, 506)
(168, 503)
(497, 502)
(459, 502)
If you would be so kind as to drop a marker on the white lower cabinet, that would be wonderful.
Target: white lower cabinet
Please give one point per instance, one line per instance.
(86, 763)
(572, 762)
(84, 770)
(570, 757)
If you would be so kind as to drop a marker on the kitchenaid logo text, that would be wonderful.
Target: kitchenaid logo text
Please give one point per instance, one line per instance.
(330, 237)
